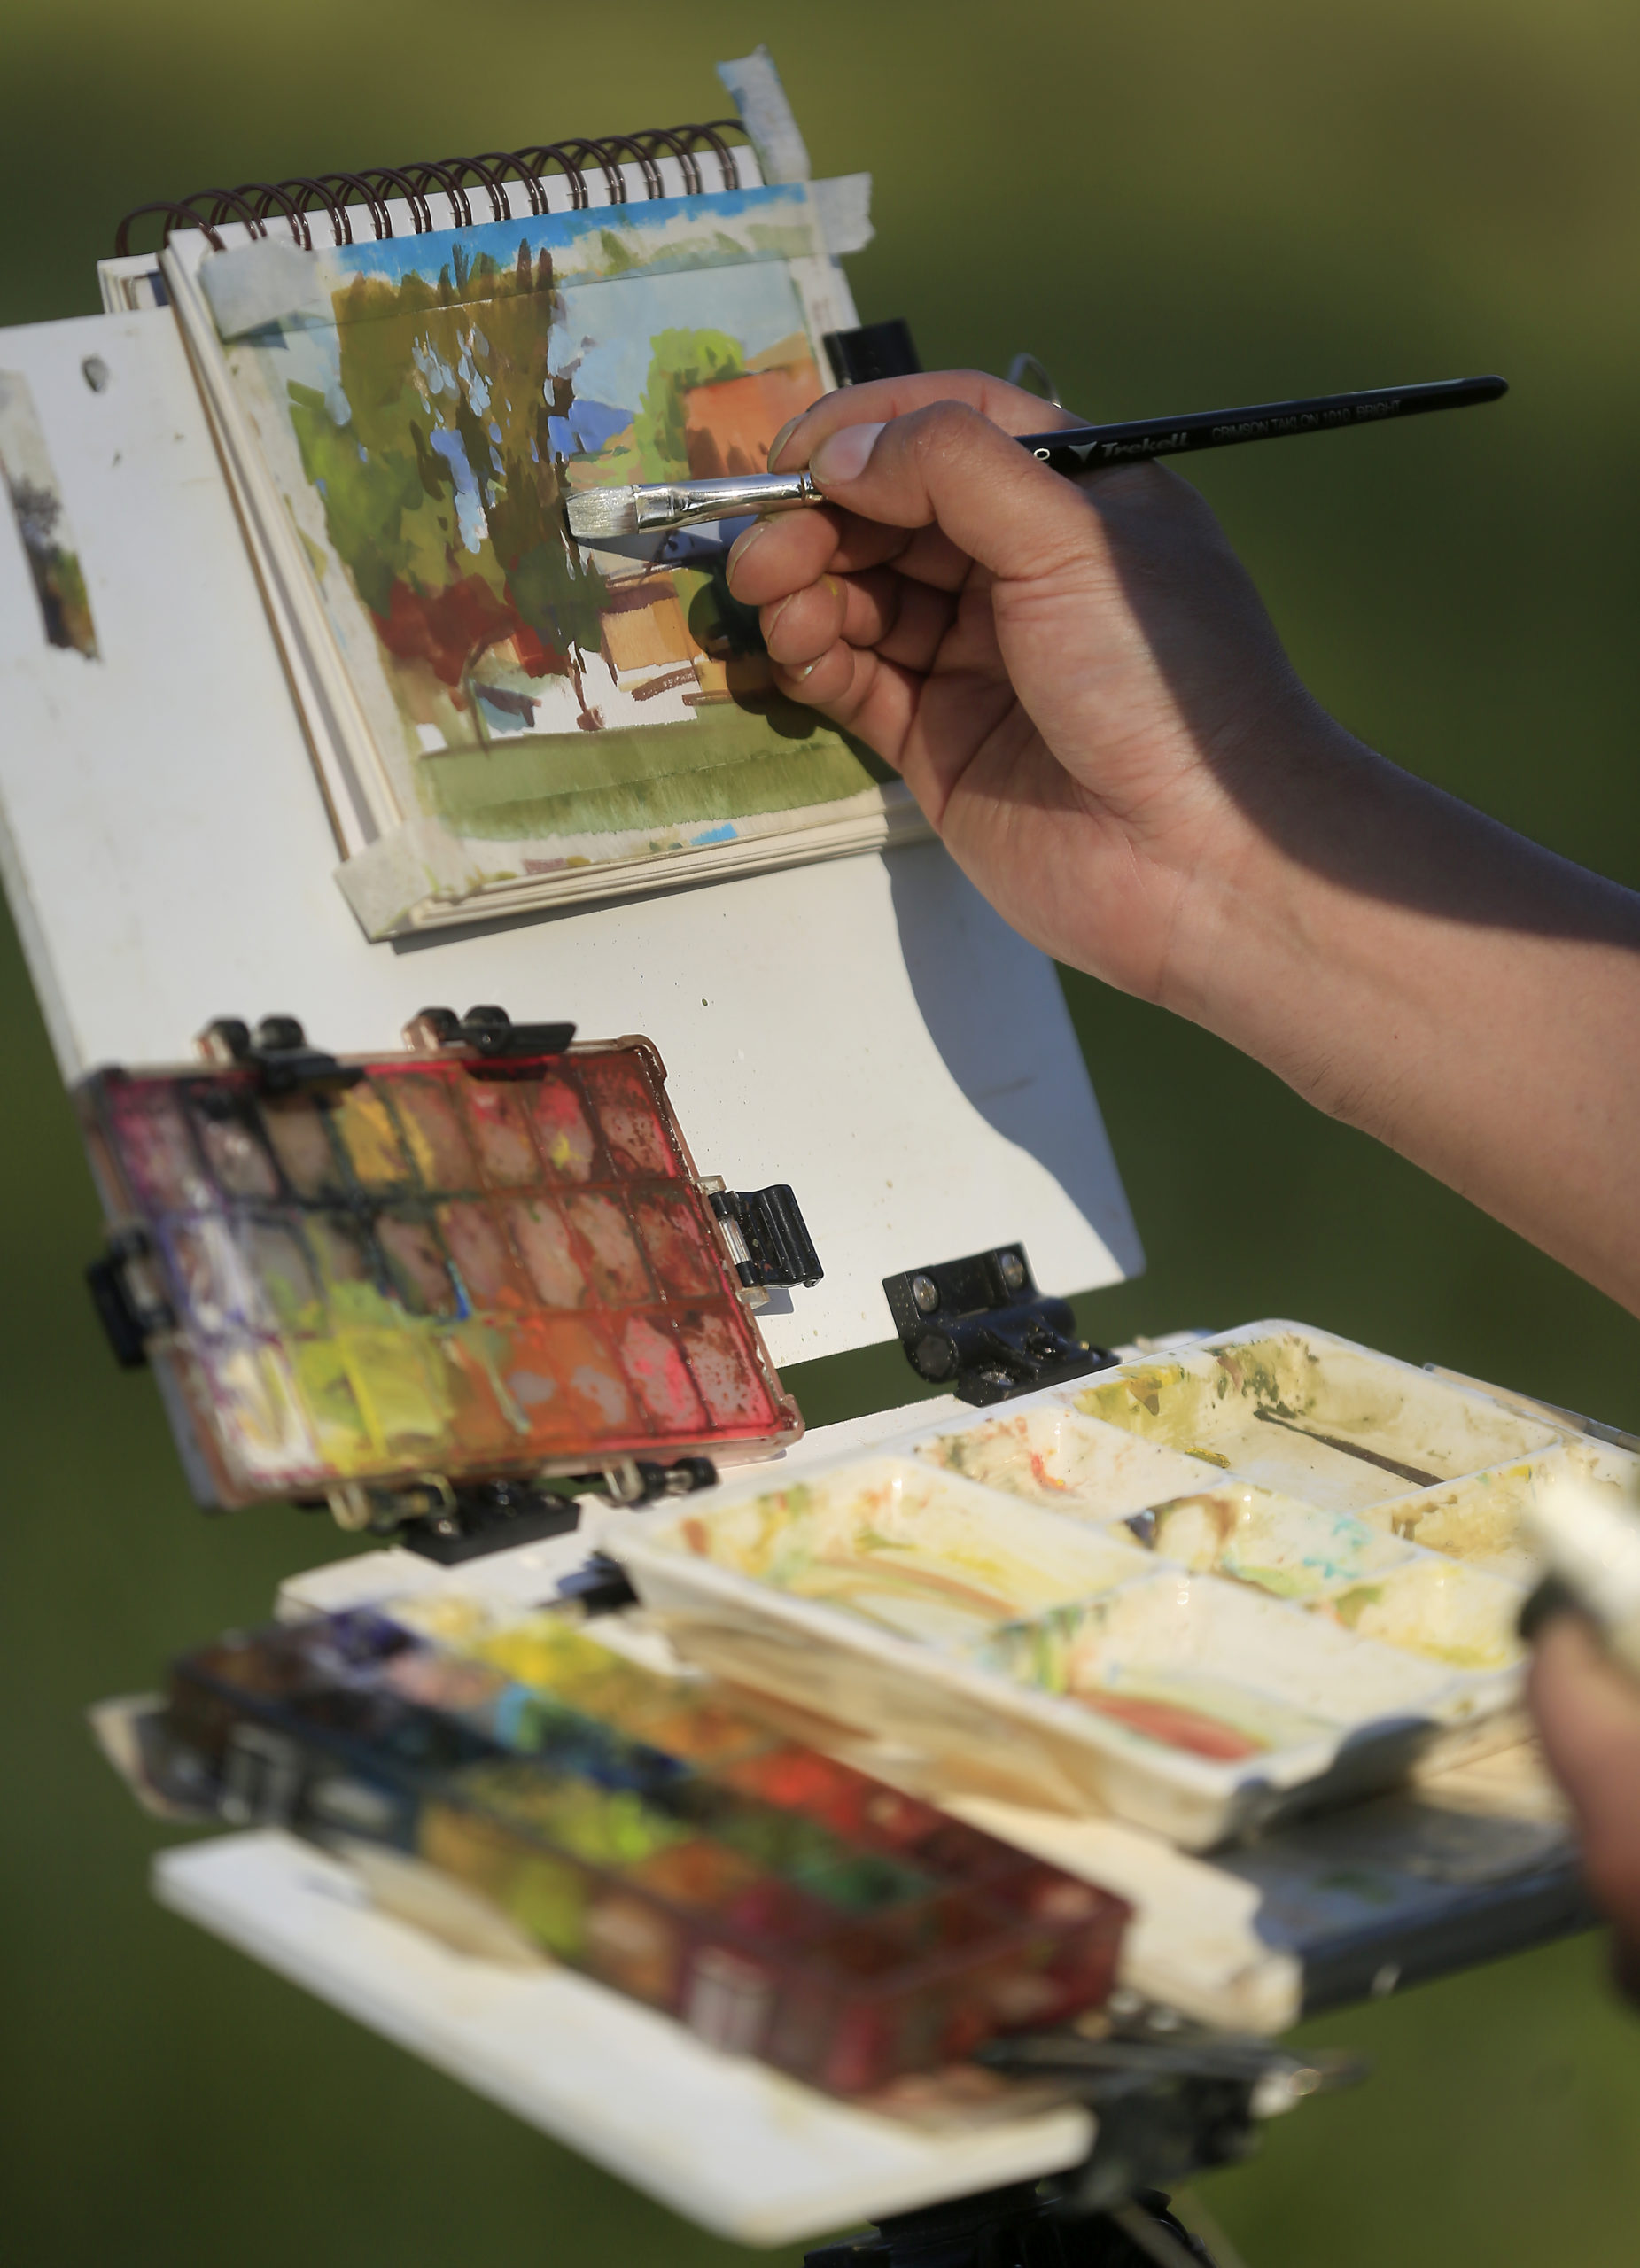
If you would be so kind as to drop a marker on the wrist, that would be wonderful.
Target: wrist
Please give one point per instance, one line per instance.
(1257, 948)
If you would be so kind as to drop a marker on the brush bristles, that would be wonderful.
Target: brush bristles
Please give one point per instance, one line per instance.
(597, 512)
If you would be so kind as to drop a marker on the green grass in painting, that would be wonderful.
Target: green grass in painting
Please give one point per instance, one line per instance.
(657, 775)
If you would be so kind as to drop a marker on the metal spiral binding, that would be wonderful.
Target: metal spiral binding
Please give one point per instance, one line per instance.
(339, 195)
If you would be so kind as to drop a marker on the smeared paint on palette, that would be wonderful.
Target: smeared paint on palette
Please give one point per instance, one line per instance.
(446, 1268)
(1216, 1671)
(42, 517)
(910, 1550)
(1318, 1571)
(1313, 1417)
(1052, 1455)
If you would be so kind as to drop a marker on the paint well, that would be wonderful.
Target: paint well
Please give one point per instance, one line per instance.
(1313, 1417)
(909, 1550)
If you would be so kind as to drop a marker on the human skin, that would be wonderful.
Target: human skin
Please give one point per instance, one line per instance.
(1081, 687)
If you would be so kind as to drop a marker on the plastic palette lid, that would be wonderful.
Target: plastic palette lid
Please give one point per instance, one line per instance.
(373, 1278)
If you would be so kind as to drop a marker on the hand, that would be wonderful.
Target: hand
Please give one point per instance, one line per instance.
(1588, 1712)
(1078, 681)
(1081, 687)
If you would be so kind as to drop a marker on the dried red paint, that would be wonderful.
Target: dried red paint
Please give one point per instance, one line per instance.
(1175, 1725)
(626, 1107)
(617, 1270)
(651, 1358)
(564, 1381)
(450, 629)
(730, 1387)
(674, 1236)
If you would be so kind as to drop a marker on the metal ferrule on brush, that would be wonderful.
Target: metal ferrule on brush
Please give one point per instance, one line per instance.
(598, 512)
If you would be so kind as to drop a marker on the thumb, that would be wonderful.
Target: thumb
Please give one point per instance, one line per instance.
(947, 466)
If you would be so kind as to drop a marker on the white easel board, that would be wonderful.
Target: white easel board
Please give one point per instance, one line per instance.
(736, 2146)
(867, 1030)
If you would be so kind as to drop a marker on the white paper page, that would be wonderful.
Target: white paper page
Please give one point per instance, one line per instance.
(868, 1029)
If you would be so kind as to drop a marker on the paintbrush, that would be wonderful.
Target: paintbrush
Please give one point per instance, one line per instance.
(598, 513)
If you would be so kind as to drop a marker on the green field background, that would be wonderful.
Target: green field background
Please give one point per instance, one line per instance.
(1176, 206)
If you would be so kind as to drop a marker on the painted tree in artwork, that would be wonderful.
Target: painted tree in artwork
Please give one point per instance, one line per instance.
(439, 489)
(678, 361)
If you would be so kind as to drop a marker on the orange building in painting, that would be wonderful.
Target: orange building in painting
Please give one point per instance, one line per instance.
(728, 426)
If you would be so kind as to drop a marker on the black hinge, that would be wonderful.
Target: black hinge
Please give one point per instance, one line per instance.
(777, 1245)
(278, 1053)
(981, 1327)
(491, 1032)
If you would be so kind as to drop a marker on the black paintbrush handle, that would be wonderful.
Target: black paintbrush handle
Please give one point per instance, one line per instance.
(1080, 449)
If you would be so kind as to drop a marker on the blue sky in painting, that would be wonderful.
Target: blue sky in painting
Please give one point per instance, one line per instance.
(607, 329)
(395, 257)
(587, 427)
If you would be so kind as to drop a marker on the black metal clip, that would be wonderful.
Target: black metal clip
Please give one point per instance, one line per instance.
(491, 1032)
(599, 1586)
(125, 1290)
(278, 1053)
(875, 350)
(1171, 2097)
(475, 1517)
(981, 1326)
(768, 1236)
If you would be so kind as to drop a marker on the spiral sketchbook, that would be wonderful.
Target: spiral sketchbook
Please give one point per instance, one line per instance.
(404, 387)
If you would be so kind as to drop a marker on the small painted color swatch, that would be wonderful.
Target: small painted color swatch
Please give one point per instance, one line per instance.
(448, 1267)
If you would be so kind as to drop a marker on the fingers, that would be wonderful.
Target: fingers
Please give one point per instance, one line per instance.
(905, 621)
(947, 466)
(863, 692)
(932, 490)
(780, 554)
(1009, 407)
(1589, 1715)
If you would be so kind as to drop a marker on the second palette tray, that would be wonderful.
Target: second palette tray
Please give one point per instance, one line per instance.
(1272, 1570)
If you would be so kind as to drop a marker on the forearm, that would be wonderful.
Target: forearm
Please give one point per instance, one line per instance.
(1419, 971)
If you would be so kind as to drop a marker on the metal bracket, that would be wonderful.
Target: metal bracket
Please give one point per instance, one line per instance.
(476, 1516)
(452, 1521)
(1171, 2096)
(636, 1482)
(981, 1327)
(278, 1053)
(489, 1032)
(125, 1290)
(768, 1236)
(1170, 2099)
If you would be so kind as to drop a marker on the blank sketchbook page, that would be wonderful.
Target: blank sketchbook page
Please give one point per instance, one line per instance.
(867, 1030)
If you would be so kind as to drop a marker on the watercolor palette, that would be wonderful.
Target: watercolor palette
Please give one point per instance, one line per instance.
(1313, 1565)
(646, 1829)
(432, 1267)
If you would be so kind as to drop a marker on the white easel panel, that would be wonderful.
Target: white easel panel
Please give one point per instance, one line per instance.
(867, 1030)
